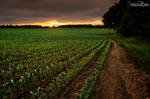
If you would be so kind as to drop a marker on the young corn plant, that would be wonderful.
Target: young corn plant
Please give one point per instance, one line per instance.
(89, 88)
(36, 94)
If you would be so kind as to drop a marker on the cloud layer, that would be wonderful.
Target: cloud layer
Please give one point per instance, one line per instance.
(33, 11)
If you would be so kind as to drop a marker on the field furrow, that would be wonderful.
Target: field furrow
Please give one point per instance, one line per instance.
(37, 56)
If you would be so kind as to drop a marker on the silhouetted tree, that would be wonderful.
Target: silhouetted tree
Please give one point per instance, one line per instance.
(22, 26)
(129, 20)
(81, 26)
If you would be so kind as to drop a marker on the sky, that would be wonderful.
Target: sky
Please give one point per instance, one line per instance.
(53, 12)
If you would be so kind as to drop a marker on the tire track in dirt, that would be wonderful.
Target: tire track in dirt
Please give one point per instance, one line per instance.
(80, 80)
(120, 79)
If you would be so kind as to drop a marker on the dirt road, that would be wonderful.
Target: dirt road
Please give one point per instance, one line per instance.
(120, 79)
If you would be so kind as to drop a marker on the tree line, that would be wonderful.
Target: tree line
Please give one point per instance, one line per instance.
(61, 26)
(81, 26)
(23, 26)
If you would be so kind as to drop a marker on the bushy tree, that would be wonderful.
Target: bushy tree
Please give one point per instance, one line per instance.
(129, 20)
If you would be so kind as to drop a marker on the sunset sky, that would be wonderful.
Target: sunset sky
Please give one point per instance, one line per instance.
(53, 12)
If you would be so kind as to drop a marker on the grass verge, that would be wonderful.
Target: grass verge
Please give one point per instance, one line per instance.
(137, 49)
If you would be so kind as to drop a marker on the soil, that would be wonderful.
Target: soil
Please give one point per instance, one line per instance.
(119, 78)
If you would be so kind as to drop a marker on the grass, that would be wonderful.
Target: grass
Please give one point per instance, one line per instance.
(137, 49)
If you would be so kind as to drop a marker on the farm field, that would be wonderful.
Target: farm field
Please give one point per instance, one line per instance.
(51, 63)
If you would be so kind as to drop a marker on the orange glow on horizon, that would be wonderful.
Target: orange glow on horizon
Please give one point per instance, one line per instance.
(55, 23)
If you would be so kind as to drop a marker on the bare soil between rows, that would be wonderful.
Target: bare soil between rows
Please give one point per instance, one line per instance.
(119, 78)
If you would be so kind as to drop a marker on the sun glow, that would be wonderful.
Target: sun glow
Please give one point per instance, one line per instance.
(55, 23)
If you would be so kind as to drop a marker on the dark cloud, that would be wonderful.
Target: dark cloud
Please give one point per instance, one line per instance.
(30, 11)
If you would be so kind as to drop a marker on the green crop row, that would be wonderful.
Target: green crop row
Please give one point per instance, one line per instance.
(24, 59)
(90, 87)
